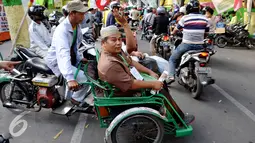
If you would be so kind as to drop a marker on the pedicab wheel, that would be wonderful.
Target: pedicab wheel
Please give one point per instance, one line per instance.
(139, 128)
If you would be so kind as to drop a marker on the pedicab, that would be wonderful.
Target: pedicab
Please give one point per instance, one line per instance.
(141, 118)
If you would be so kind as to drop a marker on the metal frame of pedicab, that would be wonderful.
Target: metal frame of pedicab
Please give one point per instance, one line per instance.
(109, 100)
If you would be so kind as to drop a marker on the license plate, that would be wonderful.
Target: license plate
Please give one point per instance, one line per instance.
(164, 44)
(207, 70)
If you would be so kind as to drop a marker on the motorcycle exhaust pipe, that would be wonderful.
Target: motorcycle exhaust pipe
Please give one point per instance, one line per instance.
(9, 105)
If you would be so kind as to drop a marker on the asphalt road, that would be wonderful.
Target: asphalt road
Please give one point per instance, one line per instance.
(225, 114)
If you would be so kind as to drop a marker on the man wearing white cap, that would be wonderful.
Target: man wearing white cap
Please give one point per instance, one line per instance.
(63, 56)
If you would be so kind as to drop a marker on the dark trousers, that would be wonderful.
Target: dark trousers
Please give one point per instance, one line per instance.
(97, 30)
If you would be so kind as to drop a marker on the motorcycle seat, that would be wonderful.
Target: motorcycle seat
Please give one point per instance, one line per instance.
(39, 66)
(29, 53)
(196, 51)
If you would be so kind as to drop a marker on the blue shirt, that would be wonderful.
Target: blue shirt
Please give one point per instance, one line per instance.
(110, 19)
(59, 56)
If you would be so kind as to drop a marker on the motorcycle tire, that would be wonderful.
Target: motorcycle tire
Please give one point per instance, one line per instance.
(197, 90)
(3, 97)
(221, 42)
(249, 43)
(164, 54)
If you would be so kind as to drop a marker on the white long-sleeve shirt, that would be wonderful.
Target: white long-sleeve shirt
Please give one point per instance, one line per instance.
(40, 38)
(59, 57)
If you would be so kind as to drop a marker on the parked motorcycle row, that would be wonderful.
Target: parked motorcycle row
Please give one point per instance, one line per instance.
(235, 35)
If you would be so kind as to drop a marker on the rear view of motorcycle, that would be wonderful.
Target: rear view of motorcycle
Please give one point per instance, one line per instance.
(193, 72)
(163, 47)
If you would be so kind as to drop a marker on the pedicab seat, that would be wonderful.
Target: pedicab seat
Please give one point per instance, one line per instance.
(104, 101)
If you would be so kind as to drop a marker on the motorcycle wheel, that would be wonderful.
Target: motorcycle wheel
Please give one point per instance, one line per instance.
(196, 91)
(5, 95)
(164, 53)
(249, 43)
(221, 42)
(138, 128)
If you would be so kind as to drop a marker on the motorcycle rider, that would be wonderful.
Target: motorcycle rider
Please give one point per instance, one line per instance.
(63, 56)
(148, 19)
(40, 37)
(110, 17)
(65, 13)
(98, 17)
(159, 26)
(135, 14)
(195, 26)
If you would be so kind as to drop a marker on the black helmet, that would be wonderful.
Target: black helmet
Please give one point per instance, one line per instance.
(36, 12)
(149, 9)
(207, 9)
(192, 6)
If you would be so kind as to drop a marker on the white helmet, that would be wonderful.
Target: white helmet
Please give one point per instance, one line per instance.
(183, 9)
(114, 4)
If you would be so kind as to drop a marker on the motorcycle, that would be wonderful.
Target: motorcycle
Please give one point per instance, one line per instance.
(193, 72)
(236, 35)
(87, 48)
(148, 33)
(4, 138)
(135, 24)
(163, 47)
(33, 86)
(54, 18)
(21, 54)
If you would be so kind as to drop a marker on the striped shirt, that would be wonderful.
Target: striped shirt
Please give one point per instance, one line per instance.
(194, 27)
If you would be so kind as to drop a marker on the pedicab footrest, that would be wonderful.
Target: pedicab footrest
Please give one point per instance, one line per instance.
(181, 132)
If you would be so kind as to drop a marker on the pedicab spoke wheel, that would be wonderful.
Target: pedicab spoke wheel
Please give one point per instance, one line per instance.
(139, 129)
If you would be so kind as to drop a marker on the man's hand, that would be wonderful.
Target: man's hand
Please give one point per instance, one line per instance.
(8, 65)
(153, 74)
(73, 85)
(138, 54)
(120, 18)
(157, 85)
(84, 60)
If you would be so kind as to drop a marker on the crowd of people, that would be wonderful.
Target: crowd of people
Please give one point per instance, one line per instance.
(59, 47)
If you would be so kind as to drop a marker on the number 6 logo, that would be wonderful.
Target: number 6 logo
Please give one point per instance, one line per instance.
(16, 121)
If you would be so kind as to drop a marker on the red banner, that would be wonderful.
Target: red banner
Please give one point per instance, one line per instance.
(101, 4)
(4, 30)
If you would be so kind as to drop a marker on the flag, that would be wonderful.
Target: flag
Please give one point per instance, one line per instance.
(238, 4)
(101, 4)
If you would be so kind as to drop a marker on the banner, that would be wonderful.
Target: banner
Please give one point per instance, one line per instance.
(4, 30)
(153, 3)
(3, 20)
(223, 5)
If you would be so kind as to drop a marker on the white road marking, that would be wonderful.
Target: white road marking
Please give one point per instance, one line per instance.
(235, 102)
(79, 129)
